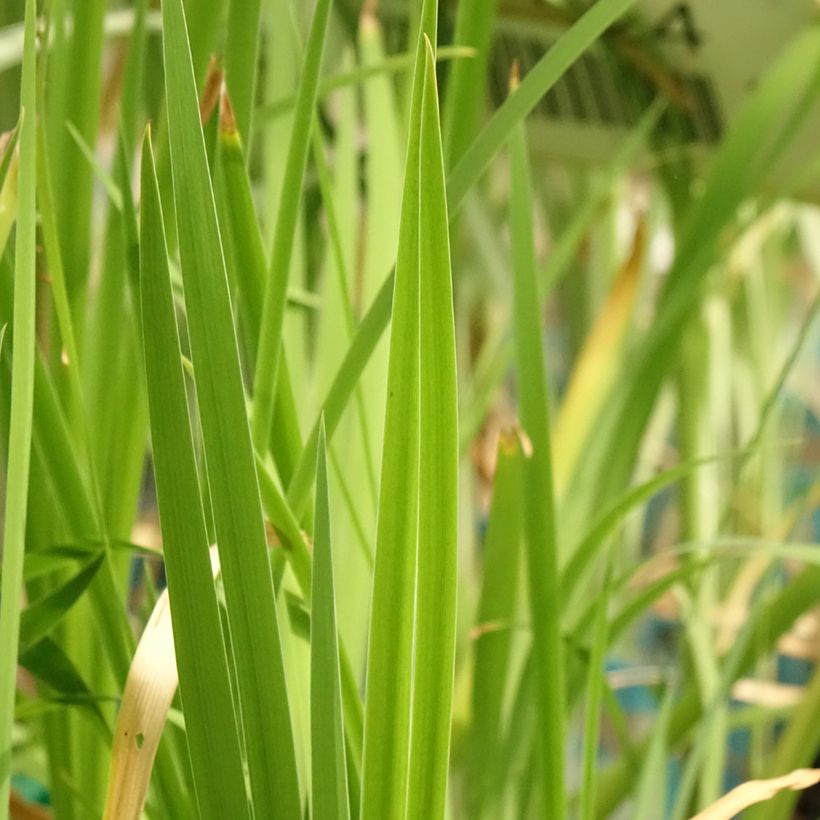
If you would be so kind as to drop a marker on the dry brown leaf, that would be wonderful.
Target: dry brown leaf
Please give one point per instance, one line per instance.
(758, 791)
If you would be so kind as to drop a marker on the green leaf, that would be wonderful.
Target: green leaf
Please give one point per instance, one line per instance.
(466, 86)
(204, 681)
(438, 480)
(538, 495)
(607, 521)
(248, 268)
(341, 389)
(390, 645)
(22, 397)
(40, 617)
(650, 797)
(496, 608)
(459, 181)
(273, 313)
(47, 661)
(596, 671)
(241, 50)
(541, 77)
(363, 74)
(228, 453)
(329, 785)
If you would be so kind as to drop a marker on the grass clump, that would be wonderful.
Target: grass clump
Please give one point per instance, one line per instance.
(288, 527)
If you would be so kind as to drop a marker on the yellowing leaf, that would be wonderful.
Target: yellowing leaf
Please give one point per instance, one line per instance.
(597, 363)
(757, 791)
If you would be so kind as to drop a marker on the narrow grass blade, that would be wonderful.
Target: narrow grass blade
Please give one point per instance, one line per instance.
(212, 730)
(459, 181)
(360, 74)
(241, 49)
(22, 397)
(467, 83)
(435, 627)
(250, 274)
(74, 93)
(541, 77)
(273, 313)
(42, 616)
(329, 787)
(496, 608)
(651, 793)
(8, 194)
(228, 453)
(583, 554)
(341, 389)
(537, 497)
(48, 662)
(594, 696)
(390, 645)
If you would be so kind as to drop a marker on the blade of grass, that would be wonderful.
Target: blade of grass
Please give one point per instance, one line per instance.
(383, 177)
(43, 615)
(500, 582)
(651, 793)
(459, 181)
(466, 85)
(273, 311)
(367, 337)
(434, 634)
(229, 456)
(281, 516)
(597, 363)
(342, 280)
(212, 731)
(240, 61)
(48, 662)
(541, 77)
(359, 75)
(250, 273)
(8, 195)
(537, 497)
(606, 522)
(594, 697)
(75, 92)
(22, 398)
(390, 644)
(329, 785)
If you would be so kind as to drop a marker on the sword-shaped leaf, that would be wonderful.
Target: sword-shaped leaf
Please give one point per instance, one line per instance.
(212, 729)
(229, 456)
(438, 480)
(329, 787)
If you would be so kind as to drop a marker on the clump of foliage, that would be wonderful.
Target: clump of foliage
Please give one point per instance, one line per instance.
(419, 436)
